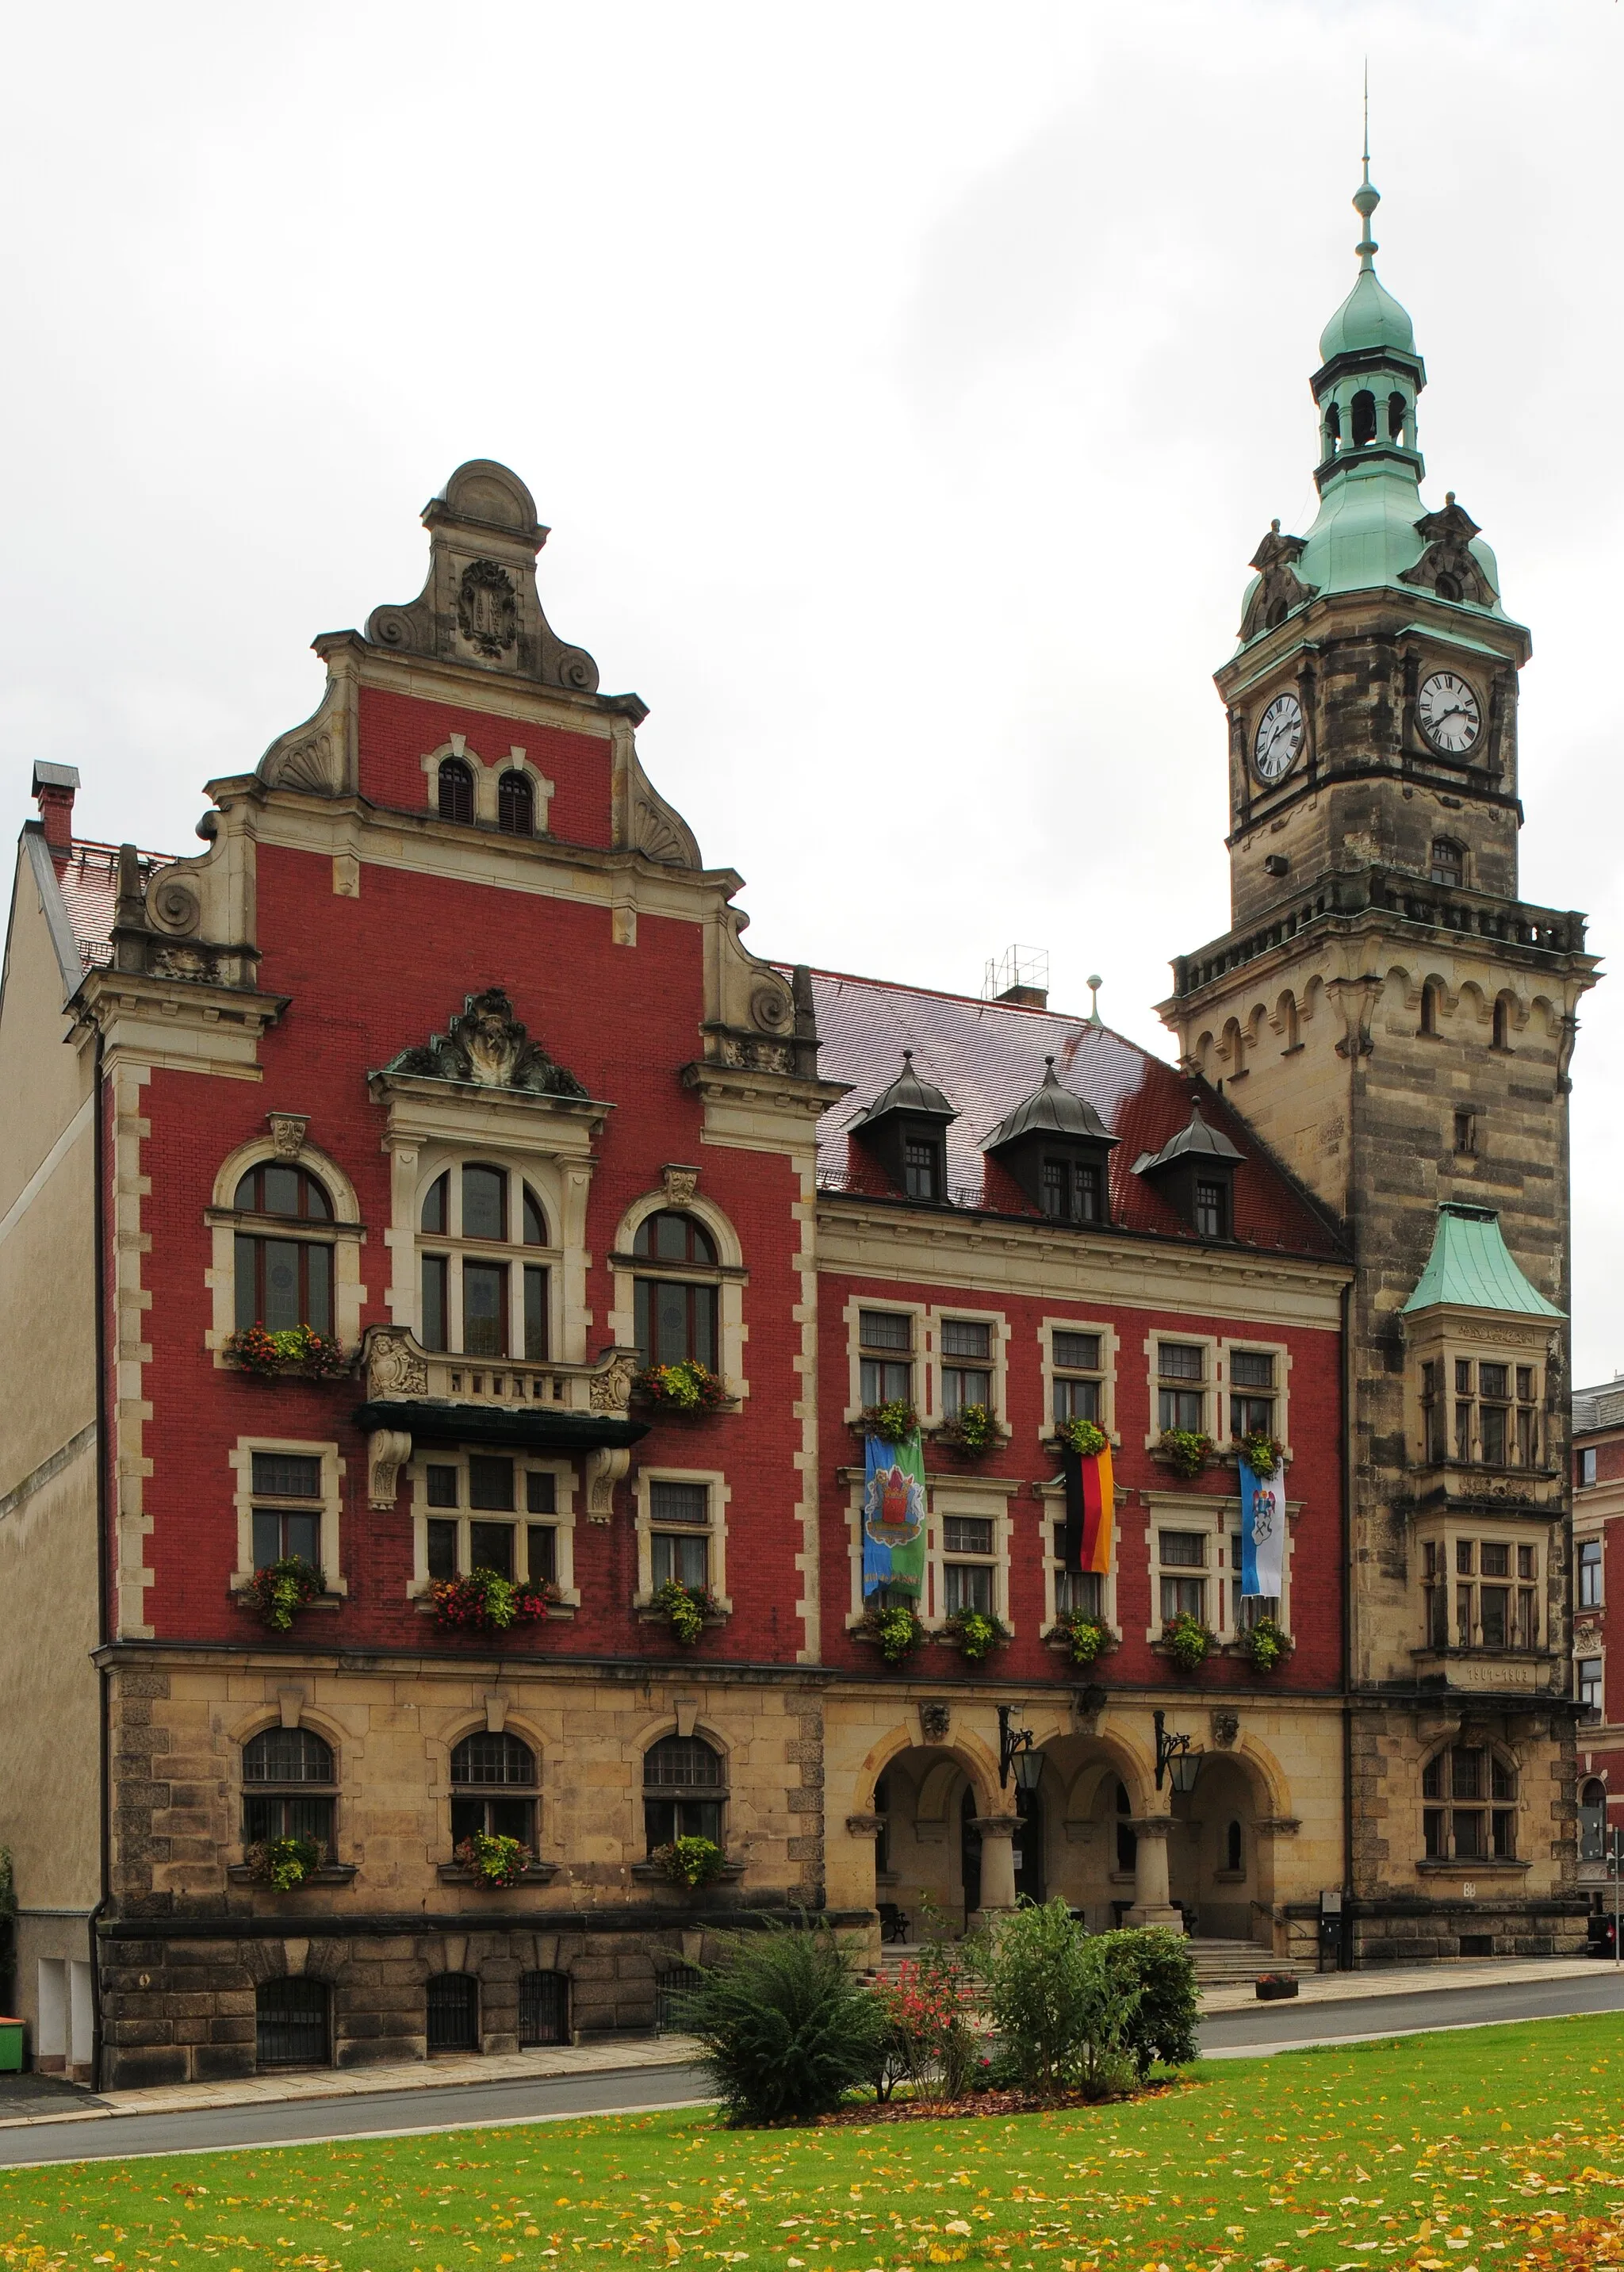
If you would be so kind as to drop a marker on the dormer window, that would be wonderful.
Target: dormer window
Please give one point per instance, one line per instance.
(1058, 1149)
(1212, 1213)
(905, 1130)
(1195, 1172)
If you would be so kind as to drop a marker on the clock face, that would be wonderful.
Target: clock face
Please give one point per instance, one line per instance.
(1279, 739)
(1451, 714)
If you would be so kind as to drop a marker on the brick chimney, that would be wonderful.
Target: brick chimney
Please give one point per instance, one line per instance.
(53, 790)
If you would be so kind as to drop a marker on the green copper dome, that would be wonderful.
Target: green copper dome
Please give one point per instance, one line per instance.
(1370, 317)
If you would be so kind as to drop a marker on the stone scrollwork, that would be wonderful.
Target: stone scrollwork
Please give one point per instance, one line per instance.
(604, 1468)
(173, 907)
(388, 1450)
(611, 1389)
(1448, 566)
(394, 1368)
(679, 1184)
(487, 607)
(772, 1009)
(288, 1132)
(486, 1047)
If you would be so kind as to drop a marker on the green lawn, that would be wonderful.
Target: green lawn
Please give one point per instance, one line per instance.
(1498, 2147)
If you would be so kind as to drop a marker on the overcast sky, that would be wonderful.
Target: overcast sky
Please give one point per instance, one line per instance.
(907, 387)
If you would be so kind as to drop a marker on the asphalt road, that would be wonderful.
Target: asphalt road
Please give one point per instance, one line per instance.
(1228, 2035)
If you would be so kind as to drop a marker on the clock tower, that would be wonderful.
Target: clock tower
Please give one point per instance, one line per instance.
(1396, 1024)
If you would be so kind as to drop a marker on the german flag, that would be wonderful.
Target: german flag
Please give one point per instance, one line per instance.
(1091, 1510)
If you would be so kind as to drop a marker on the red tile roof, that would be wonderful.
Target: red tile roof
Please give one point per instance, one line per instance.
(89, 882)
(987, 1056)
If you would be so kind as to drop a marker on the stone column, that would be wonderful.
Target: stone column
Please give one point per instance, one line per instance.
(997, 1832)
(867, 1827)
(1151, 1905)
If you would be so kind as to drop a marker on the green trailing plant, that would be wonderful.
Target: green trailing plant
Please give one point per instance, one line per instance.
(485, 1602)
(292, 1348)
(1162, 2025)
(975, 1633)
(689, 1862)
(893, 1422)
(1261, 1452)
(1064, 2002)
(285, 1863)
(1186, 1452)
(895, 1629)
(687, 1387)
(1085, 1637)
(1084, 1437)
(685, 1608)
(1188, 1641)
(281, 1591)
(786, 2027)
(494, 1861)
(972, 1430)
(1266, 1643)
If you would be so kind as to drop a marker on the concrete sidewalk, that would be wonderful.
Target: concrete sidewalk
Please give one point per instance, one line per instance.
(652, 2052)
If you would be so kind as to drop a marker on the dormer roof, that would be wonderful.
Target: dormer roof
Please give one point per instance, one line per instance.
(1052, 1109)
(1471, 1267)
(907, 1093)
(1196, 1139)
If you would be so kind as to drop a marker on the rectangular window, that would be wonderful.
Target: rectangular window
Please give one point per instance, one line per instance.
(541, 1493)
(1504, 1823)
(286, 1475)
(1495, 1561)
(282, 1531)
(1183, 1598)
(885, 1341)
(490, 1547)
(1462, 1557)
(1185, 1548)
(485, 1309)
(490, 1482)
(1587, 1464)
(1438, 1618)
(1432, 1830)
(1463, 1616)
(921, 1167)
(542, 1546)
(1179, 1406)
(1466, 1774)
(534, 1311)
(442, 1550)
(1463, 1432)
(680, 1556)
(967, 1352)
(1493, 1611)
(1070, 1191)
(440, 1487)
(967, 1585)
(1527, 1634)
(674, 1323)
(685, 1503)
(1590, 1684)
(1492, 1381)
(1528, 1436)
(1492, 1425)
(1078, 1383)
(1528, 1566)
(303, 1814)
(1466, 1134)
(1468, 1825)
(1252, 1381)
(1589, 1574)
(283, 1282)
(1211, 1209)
(434, 1318)
(1077, 1593)
(1182, 1550)
(967, 1533)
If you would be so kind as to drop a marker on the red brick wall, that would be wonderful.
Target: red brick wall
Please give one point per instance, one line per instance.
(398, 732)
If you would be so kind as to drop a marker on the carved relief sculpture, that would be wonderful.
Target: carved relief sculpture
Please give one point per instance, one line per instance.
(487, 611)
(487, 1047)
(394, 1367)
(1279, 588)
(287, 1132)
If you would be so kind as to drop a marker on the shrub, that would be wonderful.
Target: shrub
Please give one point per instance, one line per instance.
(685, 1608)
(1085, 1637)
(690, 1861)
(493, 1860)
(686, 1386)
(486, 1601)
(1185, 1452)
(1266, 1643)
(893, 1422)
(1188, 1642)
(1083, 1436)
(281, 1591)
(975, 1633)
(1261, 1452)
(894, 1628)
(1064, 2001)
(927, 2036)
(284, 1863)
(787, 2029)
(1164, 2022)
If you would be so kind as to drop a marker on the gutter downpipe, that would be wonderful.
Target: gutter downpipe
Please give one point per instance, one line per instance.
(104, 1567)
(1345, 1952)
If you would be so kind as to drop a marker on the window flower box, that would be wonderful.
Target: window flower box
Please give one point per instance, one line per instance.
(970, 1434)
(688, 1390)
(1265, 1644)
(298, 1351)
(895, 1631)
(459, 1874)
(278, 1592)
(1184, 1451)
(493, 1862)
(486, 1603)
(1188, 1641)
(686, 1610)
(1081, 1436)
(893, 1422)
(668, 1865)
(975, 1634)
(1262, 1453)
(1083, 1638)
(283, 1864)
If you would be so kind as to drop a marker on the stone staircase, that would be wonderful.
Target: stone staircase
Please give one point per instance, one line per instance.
(1218, 1963)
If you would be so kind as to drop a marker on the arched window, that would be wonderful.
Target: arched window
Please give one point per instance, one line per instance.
(291, 2022)
(456, 790)
(284, 1276)
(1593, 1821)
(675, 1310)
(543, 2008)
(1288, 1022)
(1429, 1008)
(1233, 1859)
(484, 1300)
(1502, 1022)
(1449, 863)
(1332, 429)
(493, 1784)
(1448, 587)
(1471, 1810)
(1397, 411)
(516, 804)
(453, 2012)
(1364, 407)
(288, 1786)
(683, 1791)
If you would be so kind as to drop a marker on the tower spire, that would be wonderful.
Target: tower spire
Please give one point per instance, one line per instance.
(1367, 197)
